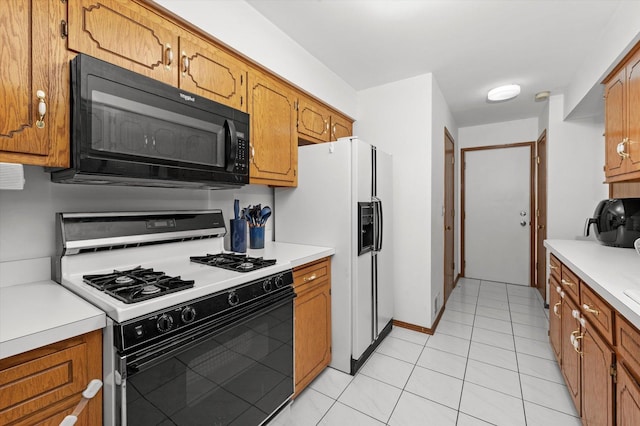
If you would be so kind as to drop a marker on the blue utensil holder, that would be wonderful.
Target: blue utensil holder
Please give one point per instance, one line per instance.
(256, 237)
(238, 235)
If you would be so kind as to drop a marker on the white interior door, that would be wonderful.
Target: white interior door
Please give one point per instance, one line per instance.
(497, 214)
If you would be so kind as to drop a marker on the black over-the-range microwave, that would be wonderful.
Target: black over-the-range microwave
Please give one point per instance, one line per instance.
(128, 129)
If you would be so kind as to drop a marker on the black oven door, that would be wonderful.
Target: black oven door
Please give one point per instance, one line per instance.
(129, 126)
(238, 372)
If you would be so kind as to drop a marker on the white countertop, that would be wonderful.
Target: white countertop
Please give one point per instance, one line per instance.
(40, 313)
(609, 271)
(295, 254)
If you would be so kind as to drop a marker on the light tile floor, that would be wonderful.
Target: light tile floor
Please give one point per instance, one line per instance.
(489, 362)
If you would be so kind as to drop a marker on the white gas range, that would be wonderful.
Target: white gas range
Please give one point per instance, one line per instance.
(186, 342)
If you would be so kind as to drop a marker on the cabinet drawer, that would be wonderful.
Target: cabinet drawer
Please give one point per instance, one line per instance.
(313, 272)
(597, 311)
(554, 267)
(570, 283)
(628, 343)
(27, 387)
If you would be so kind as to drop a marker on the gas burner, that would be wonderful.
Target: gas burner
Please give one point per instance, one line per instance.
(150, 289)
(137, 284)
(245, 265)
(234, 262)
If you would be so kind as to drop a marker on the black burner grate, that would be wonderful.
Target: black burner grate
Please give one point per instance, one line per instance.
(234, 262)
(137, 284)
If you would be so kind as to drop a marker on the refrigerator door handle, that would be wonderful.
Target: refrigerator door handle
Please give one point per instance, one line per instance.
(378, 223)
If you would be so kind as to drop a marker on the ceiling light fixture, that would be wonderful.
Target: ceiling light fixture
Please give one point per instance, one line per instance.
(504, 93)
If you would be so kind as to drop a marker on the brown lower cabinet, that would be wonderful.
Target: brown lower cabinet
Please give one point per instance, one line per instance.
(602, 370)
(571, 359)
(42, 386)
(312, 321)
(627, 398)
(598, 360)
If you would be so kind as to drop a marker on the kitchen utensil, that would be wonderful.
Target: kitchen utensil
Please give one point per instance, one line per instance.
(264, 214)
(236, 209)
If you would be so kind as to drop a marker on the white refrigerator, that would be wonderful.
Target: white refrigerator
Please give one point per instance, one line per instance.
(343, 200)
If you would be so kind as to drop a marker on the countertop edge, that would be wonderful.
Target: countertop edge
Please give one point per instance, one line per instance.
(79, 317)
(589, 261)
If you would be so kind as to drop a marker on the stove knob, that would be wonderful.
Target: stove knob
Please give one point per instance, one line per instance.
(233, 298)
(188, 314)
(279, 281)
(164, 323)
(267, 286)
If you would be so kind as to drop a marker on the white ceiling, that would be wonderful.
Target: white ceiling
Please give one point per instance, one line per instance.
(470, 46)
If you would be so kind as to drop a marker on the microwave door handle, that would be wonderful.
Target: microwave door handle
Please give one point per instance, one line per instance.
(230, 129)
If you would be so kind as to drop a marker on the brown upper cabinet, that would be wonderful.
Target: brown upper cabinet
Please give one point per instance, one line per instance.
(161, 50)
(211, 72)
(29, 90)
(274, 140)
(622, 120)
(125, 34)
(138, 35)
(317, 123)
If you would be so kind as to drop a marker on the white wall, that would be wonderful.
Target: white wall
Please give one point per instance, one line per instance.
(441, 118)
(505, 132)
(27, 217)
(575, 152)
(616, 40)
(241, 27)
(407, 119)
(396, 117)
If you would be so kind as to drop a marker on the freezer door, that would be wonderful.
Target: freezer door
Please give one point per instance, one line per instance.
(384, 192)
(362, 288)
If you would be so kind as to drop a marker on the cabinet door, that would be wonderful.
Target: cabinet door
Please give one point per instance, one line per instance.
(273, 138)
(627, 398)
(126, 34)
(597, 381)
(340, 127)
(312, 327)
(210, 72)
(633, 112)
(313, 120)
(45, 385)
(570, 357)
(24, 70)
(555, 315)
(615, 98)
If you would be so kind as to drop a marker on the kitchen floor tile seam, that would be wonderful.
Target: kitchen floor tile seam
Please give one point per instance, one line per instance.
(410, 341)
(355, 409)
(548, 408)
(415, 364)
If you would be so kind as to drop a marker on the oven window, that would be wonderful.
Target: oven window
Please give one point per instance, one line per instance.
(133, 122)
(238, 377)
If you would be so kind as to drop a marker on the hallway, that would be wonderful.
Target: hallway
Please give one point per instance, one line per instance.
(489, 362)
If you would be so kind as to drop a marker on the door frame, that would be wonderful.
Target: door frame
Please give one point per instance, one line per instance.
(449, 210)
(532, 224)
(541, 215)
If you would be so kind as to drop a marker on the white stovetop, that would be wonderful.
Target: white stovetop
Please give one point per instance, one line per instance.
(614, 273)
(35, 311)
(174, 260)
